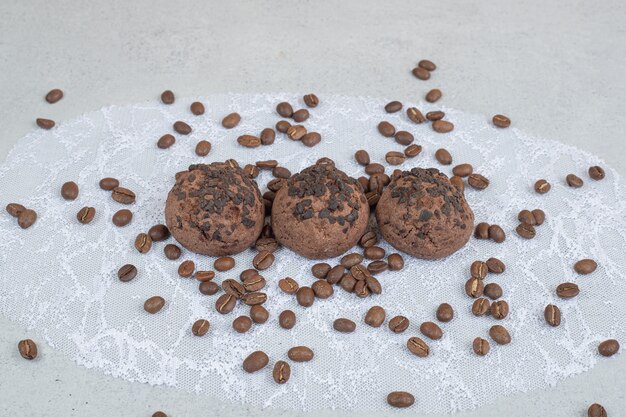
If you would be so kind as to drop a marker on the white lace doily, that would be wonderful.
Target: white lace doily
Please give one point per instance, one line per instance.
(59, 277)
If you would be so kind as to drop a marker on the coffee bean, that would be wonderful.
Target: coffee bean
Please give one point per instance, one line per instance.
(45, 123)
(154, 304)
(348, 282)
(539, 216)
(445, 313)
(348, 261)
(248, 273)
(259, 314)
(300, 116)
(374, 168)
(499, 309)
(143, 243)
(267, 136)
(335, 274)
(263, 260)
(433, 95)
(398, 324)
(167, 97)
(255, 362)
(375, 316)
(431, 330)
(585, 266)
(374, 252)
(501, 121)
(300, 354)
(320, 270)
(225, 303)
(182, 128)
(525, 216)
(435, 115)
(359, 272)
(69, 190)
(322, 289)
(415, 115)
(281, 372)
(284, 109)
(123, 195)
(596, 173)
(552, 314)
(458, 183)
(281, 172)
(283, 126)
(477, 181)
(362, 157)
(54, 95)
(427, 65)
(386, 129)
(482, 231)
(442, 126)
(526, 231)
(200, 327)
(296, 132)
(395, 158)
(254, 284)
(596, 410)
(478, 269)
(186, 268)
(14, 209)
(204, 276)
(251, 171)
(361, 289)
(225, 263)
(412, 151)
(480, 307)
(249, 141)
(574, 181)
(417, 347)
(377, 183)
(172, 252)
(542, 186)
(373, 285)
(496, 233)
(254, 298)
(368, 239)
(311, 100)
(400, 399)
(122, 217)
(197, 108)
(480, 346)
(393, 107)
(500, 335)
(208, 288)
(86, 215)
(395, 261)
(127, 272)
(109, 184)
(242, 324)
(608, 347)
(443, 156)
(463, 170)
(495, 265)
(348, 326)
(203, 148)
(159, 233)
(231, 120)
(421, 73)
(27, 349)
(288, 285)
(287, 319)
(493, 291)
(311, 139)
(377, 267)
(305, 296)
(474, 287)
(234, 288)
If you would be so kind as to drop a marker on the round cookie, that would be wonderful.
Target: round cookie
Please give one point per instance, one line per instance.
(421, 213)
(214, 209)
(320, 212)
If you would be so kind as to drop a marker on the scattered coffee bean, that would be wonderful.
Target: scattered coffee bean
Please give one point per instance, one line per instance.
(361, 289)
(477, 181)
(348, 282)
(320, 270)
(167, 97)
(443, 156)
(305, 296)
(350, 260)
(54, 95)
(525, 216)
(445, 312)
(45, 123)
(421, 73)
(552, 314)
(374, 168)
(203, 148)
(433, 116)
(374, 252)
(127, 272)
(596, 173)
(267, 136)
(496, 233)
(311, 139)
(69, 190)
(608, 347)
(204, 276)
(427, 65)
(254, 298)
(585, 266)
(395, 261)
(154, 304)
(386, 129)
(499, 309)
(482, 231)
(431, 330)
(395, 158)
(300, 116)
(480, 307)
(284, 109)
(231, 120)
(322, 289)
(567, 290)
(493, 291)
(463, 170)
(159, 414)
(335, 274)
(143, 243)
(249, 141)
(360, 272)
(474, 287)
(542, 186)
(311, 100)
(86, 215)
(375, 316)
(255, 362)
(109, 184)
(172, 252)
(500, 335)
(288, 285)
(393, 107)
(234, 288)
(251, 171)
(525, 230)
(480, 346)
(596, 410)
(478, 269)
(539, 216)
(281, 172)
(442, 126)
(283, 126)
(433, 95)
(242, 324)
(27, 349)
(254, 283)
(197, 108)
(362, 157)
(282, 371)
(263, 260)
(501, 121)
(287, 319)
(186, 268)
(208, 288)
(398, 324)
(123, 195)
(182, 128)
(300, 354)
(296, 132)
(122, 217)
(14, 209)
(200, 327)
(368, 239)
(574, 181)
(259, 314)
(495, 265)
(159, 233)
(415, 115)
(458, 183)
(225, 263)
(412, 151)
(225, 303)
(417, 347)
(377, 267)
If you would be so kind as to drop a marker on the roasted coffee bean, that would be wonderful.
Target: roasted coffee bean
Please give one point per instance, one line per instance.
(300, 116)
(204, 276)
(596, 410)
(167, 97)
(374, 168)
(335, 274)
(283, 126)
(361, 289)
(458, 183)
(86, 215)
(500, 335)
(282, 371)
(305, 296)
(182, 128)
(596, 173)
(368, 239)
(208, 288)
(364, 183)
(242, 324)
(254, 298)
(254, 284)
(109, 184)
(322, 289)
(427, 65)
(433, 95)
(359, 272)
(443, 156)
(344, 325)
(269, 164)
(433, 116)
(362, 157)
(311, 139)
(296, 132)
(186, 268)
(482, 231)
(14, 209)
(159, 233)
(480, 307)
(203, 148)
(421, 73)
(478, 269)
(225, 303)
(415, 115)
(281, 172)
(375, 316)
(499, 309)
(377, 267)
(474, 287)
(525, 216)
(231, 120)
(542, 186)
(445, 312)
(200, 327)
(373, 285)
(539, 216)
(495, 265)
(45, 123)
(477, 181)
(348, 282)
(127, 272)
(288, 285)
(311, 100)
(374, 252)
(395, 261)
(249, 141)
(400, 399)
(398, 324)
(300, 354)
(493, 291)
(393, 107)
(197, 108)
(284, 109)
(348, 261)
(225, 263)
(123, 195)
(165, 141)
(608, 347)
(552, 314)
(143, 243)
(431, 330)
(122, 217)
(386, 129)
(255, 362)
(69, 190)
(276, 184)
(417, 347)
(463, 170)
(501, 121)
(172, 252)
(480, 346)
(259, 314)
(377, 183)
(154, 304)
(412, 151)
(263, 260)
(395, 158)
(251, 171)
(27, 349)
(232, 163)
(496, 233)
(574, 181)
(287, 319)
(248, 273)
(320, 270)
(442, 126)
(54, 95)
(525, 230)
(234, 288)
(585, 266)
(267, 136)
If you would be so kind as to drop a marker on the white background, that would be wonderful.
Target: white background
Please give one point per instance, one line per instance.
(556, 69)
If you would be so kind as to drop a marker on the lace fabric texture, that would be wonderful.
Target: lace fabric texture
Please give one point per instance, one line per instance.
(60, 277)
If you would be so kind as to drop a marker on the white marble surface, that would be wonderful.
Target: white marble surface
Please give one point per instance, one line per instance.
(555, 68)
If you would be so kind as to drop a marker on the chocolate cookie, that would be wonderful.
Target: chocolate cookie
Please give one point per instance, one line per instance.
(214, 209)
(423, 214)
(320, 212)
